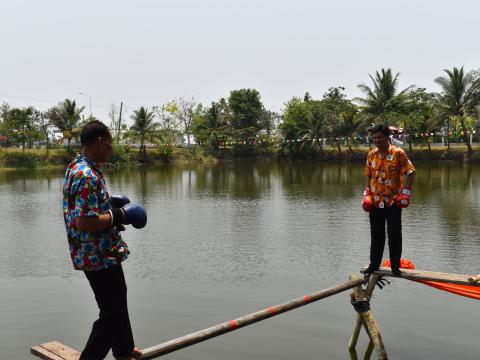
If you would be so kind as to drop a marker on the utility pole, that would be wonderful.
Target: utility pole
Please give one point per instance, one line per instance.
(90, 101)
(119, 123)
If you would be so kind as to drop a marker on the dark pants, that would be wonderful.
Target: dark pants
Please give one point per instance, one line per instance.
(112, 329)
(393, 216)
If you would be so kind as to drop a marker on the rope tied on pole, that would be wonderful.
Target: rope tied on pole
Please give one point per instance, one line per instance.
(360, 306)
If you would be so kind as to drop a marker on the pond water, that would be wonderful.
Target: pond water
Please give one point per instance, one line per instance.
(229, 239)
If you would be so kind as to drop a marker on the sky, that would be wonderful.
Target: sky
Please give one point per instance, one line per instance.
(147, 53)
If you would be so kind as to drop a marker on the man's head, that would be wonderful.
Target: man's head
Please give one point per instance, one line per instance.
(380, 136)
(96, 141)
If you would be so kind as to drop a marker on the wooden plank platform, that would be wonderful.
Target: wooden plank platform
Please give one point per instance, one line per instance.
(423, 275)
(55, 350)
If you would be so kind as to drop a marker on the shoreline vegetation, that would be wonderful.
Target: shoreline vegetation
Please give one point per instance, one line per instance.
(430, 126)
(16, 158)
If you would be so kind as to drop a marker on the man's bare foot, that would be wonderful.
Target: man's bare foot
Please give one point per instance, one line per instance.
(137, 353)
(134, 355)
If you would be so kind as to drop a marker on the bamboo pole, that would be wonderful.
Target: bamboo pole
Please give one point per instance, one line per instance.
(216, 330)
(369, 351)
(359, 322)
(368, 295)
(423, 275)
(369, 320)
(356, 332)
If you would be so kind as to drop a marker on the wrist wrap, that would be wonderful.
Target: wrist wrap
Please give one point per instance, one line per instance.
(117, 216)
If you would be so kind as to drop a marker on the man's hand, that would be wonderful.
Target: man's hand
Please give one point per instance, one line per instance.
(367, 202)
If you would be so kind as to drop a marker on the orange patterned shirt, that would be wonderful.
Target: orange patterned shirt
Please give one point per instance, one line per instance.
(386, 173)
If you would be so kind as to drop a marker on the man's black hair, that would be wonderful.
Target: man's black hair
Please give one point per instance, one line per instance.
(383, 128)
(92, 131)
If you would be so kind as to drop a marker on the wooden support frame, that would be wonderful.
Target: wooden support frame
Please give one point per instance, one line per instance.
(56, 351)
(368, 321)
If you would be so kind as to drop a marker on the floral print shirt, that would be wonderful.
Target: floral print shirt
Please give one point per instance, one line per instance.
(85, 194)
(386, 172)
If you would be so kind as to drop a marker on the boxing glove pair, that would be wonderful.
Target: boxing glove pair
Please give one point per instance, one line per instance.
(402, 200)
(124, 213)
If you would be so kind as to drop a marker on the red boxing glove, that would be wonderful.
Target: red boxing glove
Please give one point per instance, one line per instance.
(403, 200)
(367, 202)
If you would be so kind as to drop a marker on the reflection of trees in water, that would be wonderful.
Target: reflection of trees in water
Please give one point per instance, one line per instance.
(451, 190)
(454, 191)
(240, 179)
(323, 180)
(24, 175)
(211, 180)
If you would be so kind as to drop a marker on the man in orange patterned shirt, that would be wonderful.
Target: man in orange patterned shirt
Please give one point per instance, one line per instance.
(385, 195)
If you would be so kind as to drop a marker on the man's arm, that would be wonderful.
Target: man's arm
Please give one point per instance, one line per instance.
(369, 179)
(94, 223)
(410, 179)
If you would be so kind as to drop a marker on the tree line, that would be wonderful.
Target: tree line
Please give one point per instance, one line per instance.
(303, 123)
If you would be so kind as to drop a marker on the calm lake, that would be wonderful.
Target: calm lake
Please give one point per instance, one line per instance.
(229, 239)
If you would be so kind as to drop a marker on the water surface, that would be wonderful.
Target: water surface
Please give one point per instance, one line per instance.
(229, 239)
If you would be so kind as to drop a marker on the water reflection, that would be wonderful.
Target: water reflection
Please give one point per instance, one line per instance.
(243, 220)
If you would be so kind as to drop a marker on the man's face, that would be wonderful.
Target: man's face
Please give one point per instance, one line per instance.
(104, 146)
(380, 140)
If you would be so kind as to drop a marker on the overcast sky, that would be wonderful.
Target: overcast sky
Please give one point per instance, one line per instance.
(150, 52)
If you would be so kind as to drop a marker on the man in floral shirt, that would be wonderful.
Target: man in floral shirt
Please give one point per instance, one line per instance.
(386, 195)
(96, 246)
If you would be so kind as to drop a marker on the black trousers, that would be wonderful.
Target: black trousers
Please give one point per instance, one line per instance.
(392, 215)
(112, 329)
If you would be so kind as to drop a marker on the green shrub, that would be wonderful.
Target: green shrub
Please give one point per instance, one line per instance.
(120, 154)
(18, 158)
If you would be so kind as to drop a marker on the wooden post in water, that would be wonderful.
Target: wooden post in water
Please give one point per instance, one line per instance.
(366, 317)
(358, 324)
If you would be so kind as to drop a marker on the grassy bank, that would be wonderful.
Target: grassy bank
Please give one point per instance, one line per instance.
(36, 158)
(32, 158)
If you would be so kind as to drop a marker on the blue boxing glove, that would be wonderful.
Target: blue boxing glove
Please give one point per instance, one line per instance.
(135, 215)
(118, 200)
(130, 214)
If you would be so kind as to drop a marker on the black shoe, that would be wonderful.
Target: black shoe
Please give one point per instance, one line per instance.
(396, 272)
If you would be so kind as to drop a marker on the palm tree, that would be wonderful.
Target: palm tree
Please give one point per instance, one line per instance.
(460, 97)
(66, 116)
(144, 127)
(315, 124)
(214, 123)
(350, 123)
(382, 97)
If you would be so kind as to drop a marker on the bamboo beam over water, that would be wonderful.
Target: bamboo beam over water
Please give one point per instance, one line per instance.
(216, 330)
(423, 275)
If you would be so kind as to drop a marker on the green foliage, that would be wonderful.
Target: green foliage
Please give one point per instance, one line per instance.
(382, 98)
(246, 110)
(15, 158)
(211, 126)
(459, 98)
(120, 154)
(21, 126)
(144, 128)
(66, 117)
(308, 121)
